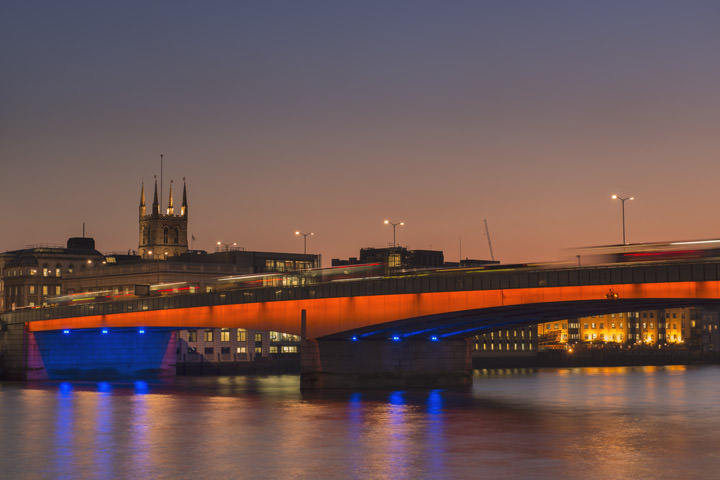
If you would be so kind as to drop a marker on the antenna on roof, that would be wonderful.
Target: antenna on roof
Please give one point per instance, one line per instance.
(83, 229)
(487, 232)
(161, 178)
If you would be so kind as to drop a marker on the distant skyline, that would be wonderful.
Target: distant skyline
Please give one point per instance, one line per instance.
(331, 117)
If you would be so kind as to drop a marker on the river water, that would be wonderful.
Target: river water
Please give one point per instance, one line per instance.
(592, 423)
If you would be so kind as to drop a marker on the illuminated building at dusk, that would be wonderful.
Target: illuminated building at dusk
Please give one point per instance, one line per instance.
(163, 235)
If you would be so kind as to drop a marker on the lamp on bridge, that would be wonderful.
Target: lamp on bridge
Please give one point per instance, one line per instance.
(622, 200)
(394, 225)
(305, 235)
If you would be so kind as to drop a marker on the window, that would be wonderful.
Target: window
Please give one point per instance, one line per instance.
(225, 335)
(242, 350)
(32, 289)
(192, 335)
(241, 335)
(45, 270)
(176, 236)
(58, 271)
(258, 337)
(273, 349)
(258, 349)
(57, 289)
(225, 350)
(593, 325)
(289, 349)
(44, 289)
(165, 235)
(602, 326)
(70, 268)
(209, 350)
(209, 335)
(585, 326)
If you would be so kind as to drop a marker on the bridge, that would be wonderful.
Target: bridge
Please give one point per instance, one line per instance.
(367, 327)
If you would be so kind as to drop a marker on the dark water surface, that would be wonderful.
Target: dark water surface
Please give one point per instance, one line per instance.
(640, 422)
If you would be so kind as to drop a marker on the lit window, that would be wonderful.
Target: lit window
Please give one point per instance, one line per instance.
(273, 349)
(241, 335)
(192, 335)
(44, 289)
(289, 349)
(57, 289)
(258, 349)
(258, 337)
(242, 350)
(225, 335)
(209, 335)
(32, 289)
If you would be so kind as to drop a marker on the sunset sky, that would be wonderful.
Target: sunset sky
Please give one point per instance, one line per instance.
(330, 116)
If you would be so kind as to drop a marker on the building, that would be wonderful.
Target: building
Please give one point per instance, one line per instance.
(162, 235)
(395, 257)
(30, 276)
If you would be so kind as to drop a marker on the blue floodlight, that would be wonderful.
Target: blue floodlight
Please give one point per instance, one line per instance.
(354, 338)
(104, 330)
(395, 338)
(66, 332)
(142, 330)
(434, 338)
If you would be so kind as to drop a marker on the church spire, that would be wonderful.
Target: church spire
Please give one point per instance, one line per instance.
(184, 207)
(170, 208)
(155, 205)
(143, 210)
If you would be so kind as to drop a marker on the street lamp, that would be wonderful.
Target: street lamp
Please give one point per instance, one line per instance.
(394, 225)
(305, 235)
(622, 200)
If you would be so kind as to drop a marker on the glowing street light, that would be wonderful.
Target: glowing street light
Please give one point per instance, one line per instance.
(622, 200)
(394, 225)
(305, 235)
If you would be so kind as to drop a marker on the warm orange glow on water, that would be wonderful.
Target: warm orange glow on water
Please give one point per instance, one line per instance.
(332, 315)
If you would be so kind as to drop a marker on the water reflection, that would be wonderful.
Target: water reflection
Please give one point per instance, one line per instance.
(660, 422)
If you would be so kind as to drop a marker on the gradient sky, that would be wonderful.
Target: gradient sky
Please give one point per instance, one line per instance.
(331, 116)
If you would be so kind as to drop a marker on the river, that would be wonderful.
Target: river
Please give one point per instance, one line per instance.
(592, 423)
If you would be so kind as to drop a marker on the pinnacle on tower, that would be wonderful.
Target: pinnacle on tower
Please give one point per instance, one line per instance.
(184, 207)
(155, 205)
(143, 210)
(170, 208)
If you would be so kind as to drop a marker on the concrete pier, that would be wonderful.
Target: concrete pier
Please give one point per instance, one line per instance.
(79, 354)
(384, 364)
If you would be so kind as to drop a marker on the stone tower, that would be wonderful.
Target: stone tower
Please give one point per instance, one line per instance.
(162, 235)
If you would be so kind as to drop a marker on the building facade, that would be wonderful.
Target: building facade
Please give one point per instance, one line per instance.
(162, 235)
(31, 276)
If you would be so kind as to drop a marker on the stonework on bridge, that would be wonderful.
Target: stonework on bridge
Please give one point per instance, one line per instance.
(328, 364)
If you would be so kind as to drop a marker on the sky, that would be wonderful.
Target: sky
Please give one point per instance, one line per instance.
(330, 117)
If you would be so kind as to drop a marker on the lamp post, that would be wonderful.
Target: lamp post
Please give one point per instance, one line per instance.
(305, 235)
(622, 202)
(394, 225)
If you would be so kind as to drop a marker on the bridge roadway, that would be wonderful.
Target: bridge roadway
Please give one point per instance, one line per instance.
(432, 313)
(455, 303)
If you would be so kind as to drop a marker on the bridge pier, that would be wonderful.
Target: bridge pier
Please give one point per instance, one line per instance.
(384, 364)
(91, 353)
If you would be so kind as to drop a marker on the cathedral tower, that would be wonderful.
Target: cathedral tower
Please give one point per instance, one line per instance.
(162, 235)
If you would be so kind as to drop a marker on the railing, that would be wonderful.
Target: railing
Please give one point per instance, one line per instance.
(407, 283)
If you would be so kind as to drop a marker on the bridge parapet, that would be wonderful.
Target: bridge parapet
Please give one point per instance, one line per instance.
(439, 281)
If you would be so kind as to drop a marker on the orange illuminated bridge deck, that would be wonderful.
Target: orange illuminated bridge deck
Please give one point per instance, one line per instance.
(454, 304)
